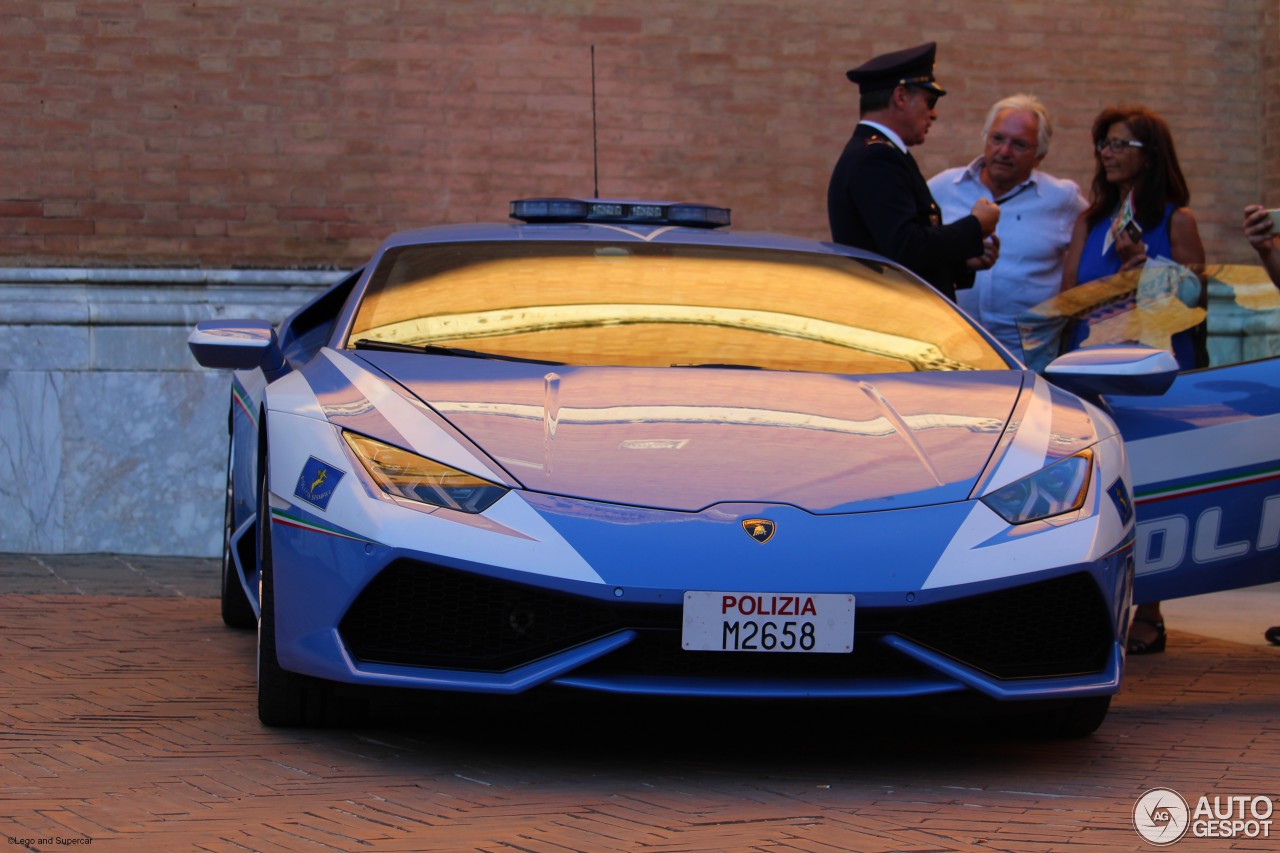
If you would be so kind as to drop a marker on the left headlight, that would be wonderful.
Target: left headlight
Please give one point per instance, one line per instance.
(1051, 491)
(417, 478)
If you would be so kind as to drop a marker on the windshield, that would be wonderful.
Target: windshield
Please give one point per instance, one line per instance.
(665, 305)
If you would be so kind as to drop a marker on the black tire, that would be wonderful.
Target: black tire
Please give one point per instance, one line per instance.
(237, 611)
(284, 698)
(1074, 718)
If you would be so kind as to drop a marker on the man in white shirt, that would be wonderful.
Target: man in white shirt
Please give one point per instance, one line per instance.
(1038, 212)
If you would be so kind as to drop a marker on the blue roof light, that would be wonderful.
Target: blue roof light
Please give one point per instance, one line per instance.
(534, 210)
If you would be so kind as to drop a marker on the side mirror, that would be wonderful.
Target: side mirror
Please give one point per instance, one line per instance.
(237, 345)
(1129, 369)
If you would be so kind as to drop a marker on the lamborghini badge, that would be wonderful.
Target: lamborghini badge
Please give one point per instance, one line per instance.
(759, 529)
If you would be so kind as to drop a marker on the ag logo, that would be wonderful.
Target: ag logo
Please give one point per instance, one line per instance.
(759, 529)
(1161, 816)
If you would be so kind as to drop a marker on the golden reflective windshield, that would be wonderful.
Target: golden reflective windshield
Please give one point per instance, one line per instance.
(647, 305)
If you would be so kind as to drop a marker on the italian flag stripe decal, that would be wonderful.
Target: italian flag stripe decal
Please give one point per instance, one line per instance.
(1206, 486)
(280, 516)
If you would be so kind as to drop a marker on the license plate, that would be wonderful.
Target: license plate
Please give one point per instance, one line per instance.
(767, 622)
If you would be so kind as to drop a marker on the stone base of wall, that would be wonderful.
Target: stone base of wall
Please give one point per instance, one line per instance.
(112, 438)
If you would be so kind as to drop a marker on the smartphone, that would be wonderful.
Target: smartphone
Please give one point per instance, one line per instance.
(1274, 213)
(1133, 231)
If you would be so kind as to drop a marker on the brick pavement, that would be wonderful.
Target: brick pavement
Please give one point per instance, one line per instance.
(108, 574)
(128, 720)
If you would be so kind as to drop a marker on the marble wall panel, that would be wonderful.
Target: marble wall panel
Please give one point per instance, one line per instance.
(31, 486)
(112, 438)
(41, 347)
(140, 348)
(143, 461)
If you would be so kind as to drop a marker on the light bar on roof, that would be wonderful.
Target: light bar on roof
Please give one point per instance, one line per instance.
(535, 210)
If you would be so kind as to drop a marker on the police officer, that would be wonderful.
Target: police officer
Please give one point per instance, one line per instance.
(878, 200)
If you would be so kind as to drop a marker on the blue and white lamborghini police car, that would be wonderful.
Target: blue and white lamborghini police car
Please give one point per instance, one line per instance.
(617, 447)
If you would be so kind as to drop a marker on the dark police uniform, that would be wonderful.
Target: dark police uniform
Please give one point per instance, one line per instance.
(878, 200)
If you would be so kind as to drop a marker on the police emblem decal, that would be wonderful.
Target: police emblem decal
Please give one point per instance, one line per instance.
(759, 529)
(1120, 497)
(317, 482)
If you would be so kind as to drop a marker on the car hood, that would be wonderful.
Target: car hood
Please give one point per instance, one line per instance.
(686, 439)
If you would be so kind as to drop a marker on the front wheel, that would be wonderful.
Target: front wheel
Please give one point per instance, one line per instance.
(1072, 718)
(284, 698)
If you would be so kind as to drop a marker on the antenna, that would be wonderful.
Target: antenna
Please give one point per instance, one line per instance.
(595, 150)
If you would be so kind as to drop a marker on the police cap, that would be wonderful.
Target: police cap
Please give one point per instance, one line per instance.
(912, 66)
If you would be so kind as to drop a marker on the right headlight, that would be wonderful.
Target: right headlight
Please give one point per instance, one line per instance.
(417, 478)
(1057, 489)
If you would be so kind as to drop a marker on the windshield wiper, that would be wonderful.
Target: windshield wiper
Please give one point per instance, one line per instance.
(433, 349)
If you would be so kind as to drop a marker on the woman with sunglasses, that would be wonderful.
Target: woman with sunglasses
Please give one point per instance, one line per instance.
(1138, 210)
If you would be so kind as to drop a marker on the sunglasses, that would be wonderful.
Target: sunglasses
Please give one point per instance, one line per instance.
(1115, 146)
(930, 98)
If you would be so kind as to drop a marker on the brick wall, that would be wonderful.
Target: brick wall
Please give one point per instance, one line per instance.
(1268, 78)
(300, 132)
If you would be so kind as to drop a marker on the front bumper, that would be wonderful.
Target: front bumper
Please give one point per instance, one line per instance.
(430, 626)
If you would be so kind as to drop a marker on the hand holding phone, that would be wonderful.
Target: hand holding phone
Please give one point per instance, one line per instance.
(1261, 227)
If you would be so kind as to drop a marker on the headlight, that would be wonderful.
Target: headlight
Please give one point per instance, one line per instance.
(417, 478)
(1048, 492)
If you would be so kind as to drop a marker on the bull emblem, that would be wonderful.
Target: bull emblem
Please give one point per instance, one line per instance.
(759, 529)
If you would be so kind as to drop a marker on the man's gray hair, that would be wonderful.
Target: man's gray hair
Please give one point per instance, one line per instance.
(1023, 104)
